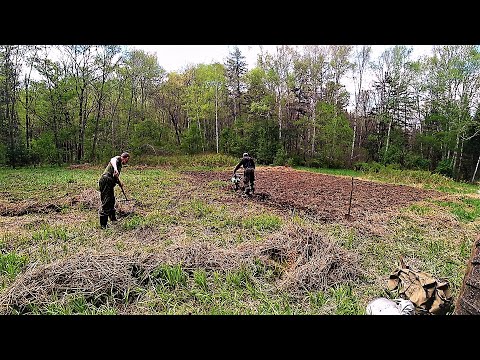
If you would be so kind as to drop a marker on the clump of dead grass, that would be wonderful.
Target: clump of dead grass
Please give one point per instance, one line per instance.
(28, 207)
(306, 261)
(313, 261)
(96, 277)
(89, 198)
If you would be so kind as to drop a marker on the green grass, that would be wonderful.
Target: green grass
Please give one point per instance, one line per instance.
(74, 305)
(46, 183)
(465, 210)
(134, 222)
(317, 299)
(50, 233)
(262, 222)
(11, 264)
(419, 209)
(198, 208)
(200, 278)
(170, 276)
(189, 162)
(340, 172)
(425, 179)
(171, 212)
(346, 303)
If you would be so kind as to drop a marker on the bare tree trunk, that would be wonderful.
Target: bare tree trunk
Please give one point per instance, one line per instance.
(97, 118)
(476, 168)
(455, 155)
(216, 114)
(204, 134)
(128, 118)
(353, 137)
(142, 99)
(279, 117)
(173, 119)
(82, 120)
(388, 135)
(313, 130)
(114, 112)
(420, 122)
(234, 109)
(460, 159)
(200, 129)
(27, 107)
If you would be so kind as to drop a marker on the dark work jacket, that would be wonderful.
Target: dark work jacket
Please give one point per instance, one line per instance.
(247, 163)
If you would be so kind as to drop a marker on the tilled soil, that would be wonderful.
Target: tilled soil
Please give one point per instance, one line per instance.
(324, 197)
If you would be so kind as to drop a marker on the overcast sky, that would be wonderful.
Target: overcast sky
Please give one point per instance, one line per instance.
(177, 57)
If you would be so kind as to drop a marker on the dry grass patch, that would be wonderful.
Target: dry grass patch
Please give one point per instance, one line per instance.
(304, 261)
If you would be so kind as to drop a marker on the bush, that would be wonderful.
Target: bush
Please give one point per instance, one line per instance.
(314, 163)
(44, 150)
(360, 166)
(393, 166)
(368, 167)
(192, 140)
(445, 167)
(416, 162)
(280, 157)
(290, 162)
(297, 160)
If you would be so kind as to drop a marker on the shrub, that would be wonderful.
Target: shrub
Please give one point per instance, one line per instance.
(416, 162)
(280, 157)
(445, 167)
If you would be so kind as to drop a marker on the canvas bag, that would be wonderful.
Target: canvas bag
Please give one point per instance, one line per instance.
(429, 295)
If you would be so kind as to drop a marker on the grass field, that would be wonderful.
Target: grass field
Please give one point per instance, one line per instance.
(191, 248)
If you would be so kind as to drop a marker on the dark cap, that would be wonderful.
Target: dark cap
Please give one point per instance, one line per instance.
(125, 155)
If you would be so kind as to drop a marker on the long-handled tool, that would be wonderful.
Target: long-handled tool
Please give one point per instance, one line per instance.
(348, 216)
(123, 191)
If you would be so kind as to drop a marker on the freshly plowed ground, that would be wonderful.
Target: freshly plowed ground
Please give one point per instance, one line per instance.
(325, 197)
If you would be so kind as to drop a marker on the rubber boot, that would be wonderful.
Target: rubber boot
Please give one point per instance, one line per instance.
(103, 221)
(113, 216)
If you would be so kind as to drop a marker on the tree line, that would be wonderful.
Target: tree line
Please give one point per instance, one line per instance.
(82, 103)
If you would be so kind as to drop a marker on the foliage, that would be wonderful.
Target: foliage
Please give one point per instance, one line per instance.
(415, 161)
(335, 136)
(192, 140)
(44, 148)
(148, 135)
(280, 157)
(445, 167)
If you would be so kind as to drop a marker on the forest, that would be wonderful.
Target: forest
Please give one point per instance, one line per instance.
(66, 104)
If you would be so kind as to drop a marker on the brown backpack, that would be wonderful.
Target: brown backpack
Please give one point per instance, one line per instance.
(429, 295)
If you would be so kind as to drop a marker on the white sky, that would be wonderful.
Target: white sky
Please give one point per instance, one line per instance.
(177, 57)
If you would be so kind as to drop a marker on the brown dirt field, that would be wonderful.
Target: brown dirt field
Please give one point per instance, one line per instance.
(323, 197)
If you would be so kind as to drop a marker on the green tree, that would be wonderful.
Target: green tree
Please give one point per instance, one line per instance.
(335, 134)
(235, 69)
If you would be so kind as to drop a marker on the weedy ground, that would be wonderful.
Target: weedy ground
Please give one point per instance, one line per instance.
(189, 244)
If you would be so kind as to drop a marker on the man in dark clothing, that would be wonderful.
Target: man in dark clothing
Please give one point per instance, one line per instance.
(106, 185)
(248, 173)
